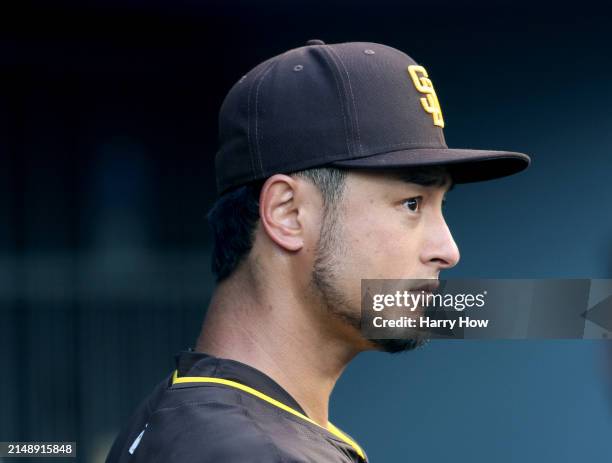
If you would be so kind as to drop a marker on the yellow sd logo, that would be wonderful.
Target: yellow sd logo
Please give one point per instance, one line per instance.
(423, 84)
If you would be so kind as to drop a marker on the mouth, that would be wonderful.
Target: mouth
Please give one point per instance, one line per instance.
(428, 287)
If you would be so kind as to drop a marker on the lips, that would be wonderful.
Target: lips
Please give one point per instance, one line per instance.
(430, 286)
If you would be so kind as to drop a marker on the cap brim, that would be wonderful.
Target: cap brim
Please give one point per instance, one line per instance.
(465, 165)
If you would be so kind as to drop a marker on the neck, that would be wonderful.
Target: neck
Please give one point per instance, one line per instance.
(282, 335)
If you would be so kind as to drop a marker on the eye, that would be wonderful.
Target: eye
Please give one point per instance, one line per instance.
(413, 204)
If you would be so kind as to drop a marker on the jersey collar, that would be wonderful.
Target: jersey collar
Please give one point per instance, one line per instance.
(192, 363)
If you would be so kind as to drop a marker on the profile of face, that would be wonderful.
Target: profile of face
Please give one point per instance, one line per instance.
(386, 225)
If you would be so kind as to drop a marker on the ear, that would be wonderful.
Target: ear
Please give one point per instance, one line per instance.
(279, 212)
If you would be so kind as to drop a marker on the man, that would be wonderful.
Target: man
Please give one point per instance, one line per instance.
(332, 168)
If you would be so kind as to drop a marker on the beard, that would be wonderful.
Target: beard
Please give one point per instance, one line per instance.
(326, 276)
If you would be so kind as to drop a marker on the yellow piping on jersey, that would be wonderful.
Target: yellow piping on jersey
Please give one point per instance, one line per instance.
(207, 379)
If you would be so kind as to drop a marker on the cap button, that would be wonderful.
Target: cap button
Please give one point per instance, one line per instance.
(315, 42)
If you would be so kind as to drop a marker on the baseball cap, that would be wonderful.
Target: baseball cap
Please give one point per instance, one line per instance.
(357, 105)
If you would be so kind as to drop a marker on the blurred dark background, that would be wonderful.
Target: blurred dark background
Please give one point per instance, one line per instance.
(107, 139)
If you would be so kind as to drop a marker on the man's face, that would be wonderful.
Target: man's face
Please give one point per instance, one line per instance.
(386, 226)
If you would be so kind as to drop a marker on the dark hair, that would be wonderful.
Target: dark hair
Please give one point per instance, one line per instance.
(233, 218)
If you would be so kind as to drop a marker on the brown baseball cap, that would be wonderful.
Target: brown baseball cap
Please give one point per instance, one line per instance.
(357, 105)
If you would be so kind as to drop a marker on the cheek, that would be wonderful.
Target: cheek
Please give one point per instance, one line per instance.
(382, 249)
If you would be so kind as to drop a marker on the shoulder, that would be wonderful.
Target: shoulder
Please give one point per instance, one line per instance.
(209, 431)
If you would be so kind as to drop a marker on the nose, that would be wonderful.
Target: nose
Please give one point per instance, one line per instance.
(440, 248)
